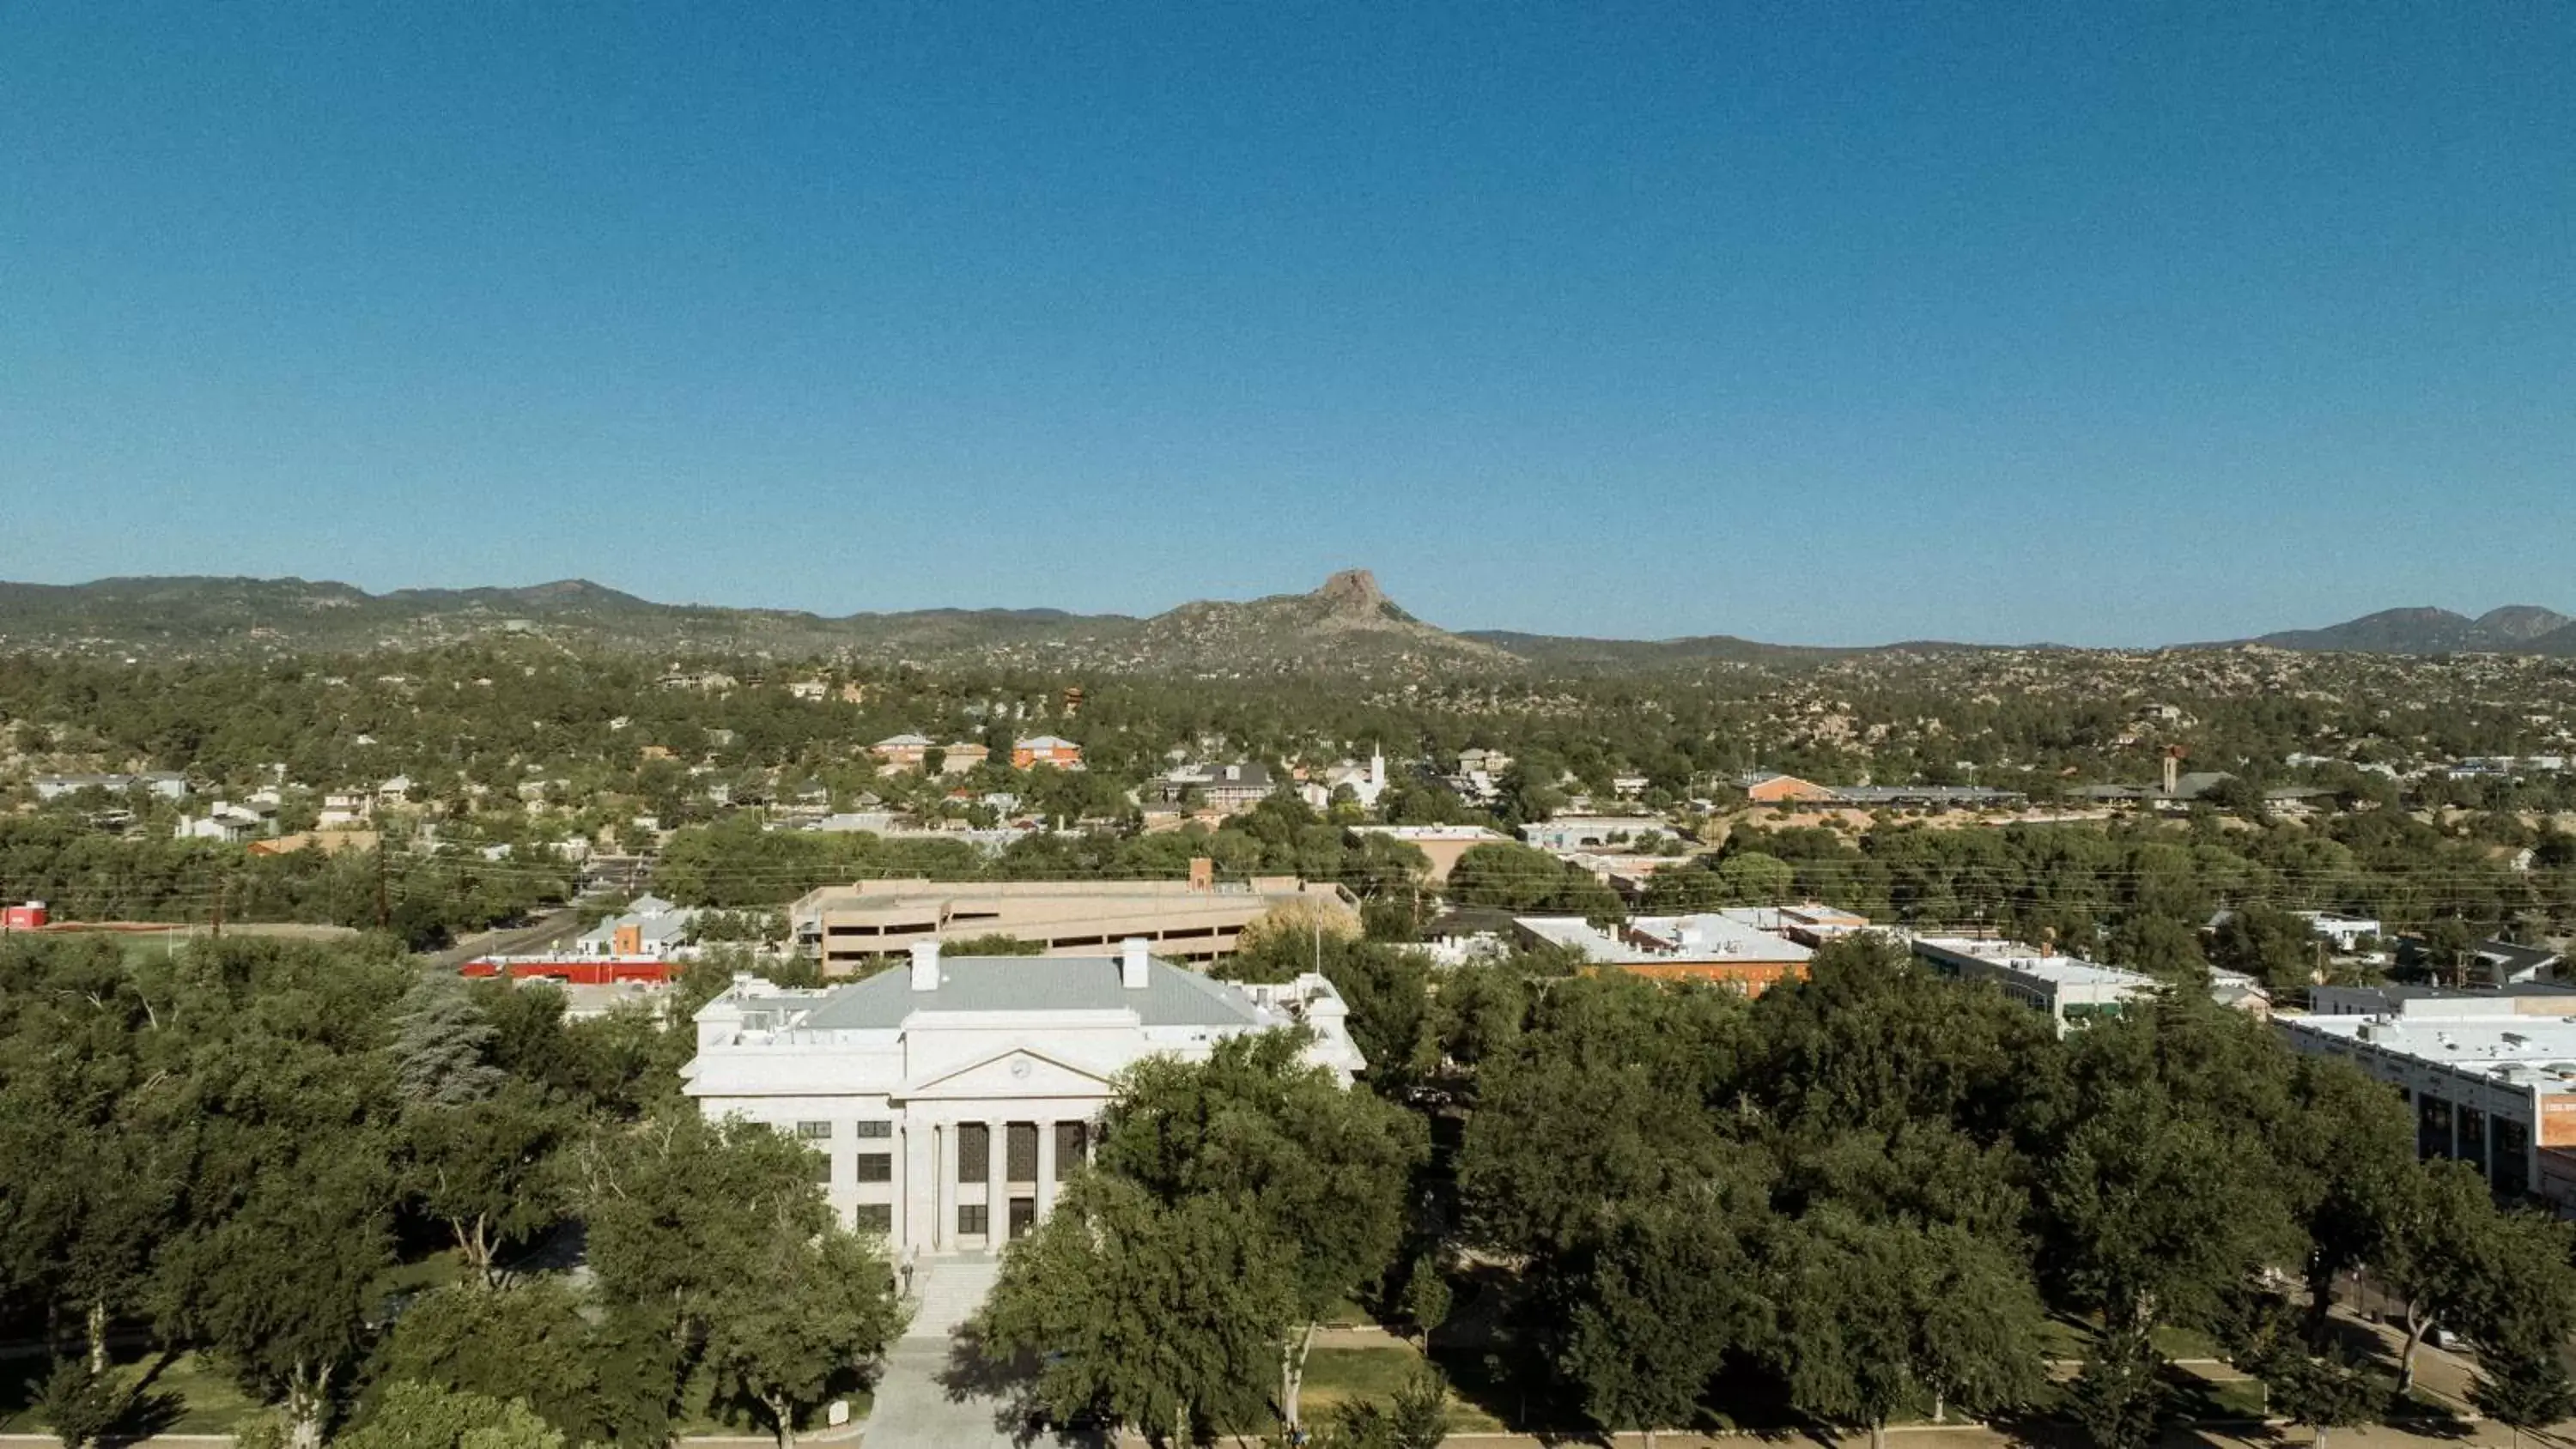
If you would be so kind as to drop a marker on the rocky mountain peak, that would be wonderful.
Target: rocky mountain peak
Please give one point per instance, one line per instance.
(1354, 591)
(2522, 622)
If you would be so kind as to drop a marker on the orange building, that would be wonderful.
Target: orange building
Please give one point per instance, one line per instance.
(1784, 790)
(1712, 948)
(1061, 754)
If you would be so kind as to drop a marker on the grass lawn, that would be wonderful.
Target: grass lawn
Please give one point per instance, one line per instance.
(2073, 1338)
(189, 1395)
(2186, 1343)
(1339, 1375)
(696, 1417)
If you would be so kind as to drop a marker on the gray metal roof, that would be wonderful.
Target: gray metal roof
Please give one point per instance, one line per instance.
(1171, 996)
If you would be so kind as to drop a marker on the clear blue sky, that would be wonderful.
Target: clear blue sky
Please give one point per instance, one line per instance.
(2108, 323)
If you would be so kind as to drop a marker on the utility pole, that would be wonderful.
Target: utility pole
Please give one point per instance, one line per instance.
(220, 882)
(384, 913)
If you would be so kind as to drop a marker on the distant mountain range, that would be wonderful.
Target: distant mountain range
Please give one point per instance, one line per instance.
(1348, 624)
(2513, 629)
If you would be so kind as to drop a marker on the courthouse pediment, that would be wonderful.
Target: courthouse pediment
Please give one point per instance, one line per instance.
(1017, 1070)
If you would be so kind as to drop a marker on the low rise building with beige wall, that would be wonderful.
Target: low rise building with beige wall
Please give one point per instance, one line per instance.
(1440, 844)
(859, 927)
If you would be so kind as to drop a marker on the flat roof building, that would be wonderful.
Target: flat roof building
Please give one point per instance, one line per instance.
(2491, 1076)
(1587, 832)
(945, 1102)
(1440, 844)
(1808, 924)
(2070, 989)
(1708, 947)
(855, 928)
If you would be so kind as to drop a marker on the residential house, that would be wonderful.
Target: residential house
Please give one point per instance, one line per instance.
(1048, 750)
(961, 756)
(898, 753)
(1225, 789)
(233, 824)
(166, 784)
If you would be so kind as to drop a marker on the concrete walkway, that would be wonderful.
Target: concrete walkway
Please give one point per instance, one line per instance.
(933, 1394)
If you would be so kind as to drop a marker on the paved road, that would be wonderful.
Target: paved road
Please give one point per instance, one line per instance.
(525, 940)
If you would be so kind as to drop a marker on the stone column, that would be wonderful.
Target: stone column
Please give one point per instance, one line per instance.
(916, 1190)
(997, 1188)
(1046, 1169)
(943, 1189)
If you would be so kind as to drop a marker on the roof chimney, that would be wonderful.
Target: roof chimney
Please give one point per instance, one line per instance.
(925, 965)
(1135, 954)
(1202, 873)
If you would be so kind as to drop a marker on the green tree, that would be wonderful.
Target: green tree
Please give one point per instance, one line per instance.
(536, 1341)
(2433, 1247)
(1417, 1417)
(1874, 1317)
(2119, 1392)
(808, 1312)
(2271, 945)
(681, 1214)
(79, 1403)
(996, 945)
(1388, 992)
(443, 1043)
(2156, 1215)
(1426, 1297)
(2524, 1386)
(1167, 1317)
(1321, 1174)
(1749, 877)
(2323, 1391)
(1664, 1300)
(283, 1287)
(487, 1169)
(422, 1416)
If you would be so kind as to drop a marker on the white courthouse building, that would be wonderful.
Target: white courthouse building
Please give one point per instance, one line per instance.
(945, 1102)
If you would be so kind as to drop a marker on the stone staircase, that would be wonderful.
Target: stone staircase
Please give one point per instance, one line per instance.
(947, 1291)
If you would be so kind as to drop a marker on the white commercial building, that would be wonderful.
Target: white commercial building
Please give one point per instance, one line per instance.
(650, 927)
(2346, 932)
(1590, 832)
(946, 1101)
(2069, 988)
(2491, 1075)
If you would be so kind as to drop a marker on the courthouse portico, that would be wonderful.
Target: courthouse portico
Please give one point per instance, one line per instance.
(946, 1102)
